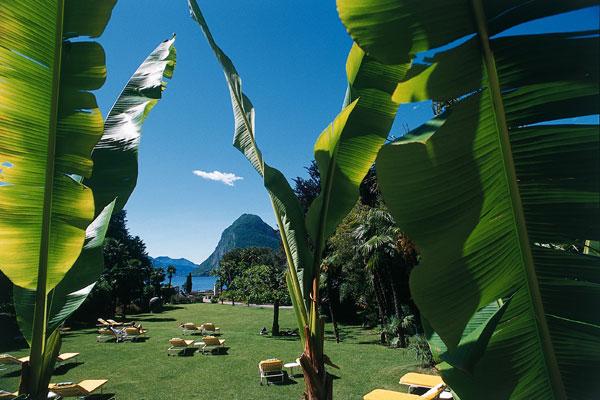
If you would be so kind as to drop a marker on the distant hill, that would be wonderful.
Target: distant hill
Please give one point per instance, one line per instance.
(183, 266)
(247, 231)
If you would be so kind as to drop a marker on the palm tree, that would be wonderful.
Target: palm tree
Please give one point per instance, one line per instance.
(171, 270)
(378, 239)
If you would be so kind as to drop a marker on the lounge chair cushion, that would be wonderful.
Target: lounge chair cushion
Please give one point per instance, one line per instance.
(421, 380)
(381, 394)
(178, 342)
(209, 326)
(9, 359)
(66, 356)
(212, 341)
(271, 365)
(82, 388)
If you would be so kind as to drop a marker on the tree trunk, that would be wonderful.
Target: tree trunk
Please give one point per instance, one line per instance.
(332, 296)
(381, 303)
(275, 327)
(397, 304)
(318, 383)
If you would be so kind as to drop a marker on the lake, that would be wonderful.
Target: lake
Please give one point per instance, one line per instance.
(199, 283)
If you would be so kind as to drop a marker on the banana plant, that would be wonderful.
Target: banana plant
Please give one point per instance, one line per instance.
(488, 186)
(52, 233)
(115, 153)
(344, 153)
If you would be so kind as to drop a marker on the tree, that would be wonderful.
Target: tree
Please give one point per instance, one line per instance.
(128, 268)
(308, 189)
(485, 187)
(389, 258)
(265, 284)
(171, 270)
(187, 287)
(157, 276)
(235, 262)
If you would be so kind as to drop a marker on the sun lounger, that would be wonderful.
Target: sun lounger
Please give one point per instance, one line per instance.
(8, 359)
(211, 343)
(208, 328)
(112, 322)
(271, 368)
(381, 394)
(7, 395)
(189, 328)
(108, 334)
(133, 334)
(182, 347)
(81, 389)
(413, 379)
(102, 323)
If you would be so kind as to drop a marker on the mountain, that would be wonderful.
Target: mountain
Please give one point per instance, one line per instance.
(247, 231)
(183, 266)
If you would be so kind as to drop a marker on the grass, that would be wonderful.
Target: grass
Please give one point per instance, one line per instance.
(144, 371)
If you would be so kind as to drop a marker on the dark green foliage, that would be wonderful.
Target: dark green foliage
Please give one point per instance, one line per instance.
(171, 270)
(127, 271)
(187, 287)
(307, 189)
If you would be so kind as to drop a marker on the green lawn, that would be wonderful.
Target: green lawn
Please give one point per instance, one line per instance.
(144, 371)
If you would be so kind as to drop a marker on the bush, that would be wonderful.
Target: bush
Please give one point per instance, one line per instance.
(214, 299)
(422, 351)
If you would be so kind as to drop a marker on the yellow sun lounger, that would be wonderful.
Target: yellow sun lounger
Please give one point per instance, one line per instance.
(132, 333)
(211, 343)
(81, 389)
(210, 328)
(8, 395)
(8, 359)
(181, 346)
(189, 328)
(414, 379)
(381, 394)
(271, 368)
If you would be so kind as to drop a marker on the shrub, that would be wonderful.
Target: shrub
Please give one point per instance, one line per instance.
(420, 347)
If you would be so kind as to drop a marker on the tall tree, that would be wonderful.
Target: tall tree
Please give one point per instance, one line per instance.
(187, 287)
(171, 270)
(265, 284)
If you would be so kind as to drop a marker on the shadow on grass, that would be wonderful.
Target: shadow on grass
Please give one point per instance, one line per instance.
(154, 319)
(63, 369)
(286, 338)
(13, 373)
(277, 381)
(101, 396)
(170, 307)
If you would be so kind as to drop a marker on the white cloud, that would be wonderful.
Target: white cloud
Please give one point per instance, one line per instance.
(227, 178)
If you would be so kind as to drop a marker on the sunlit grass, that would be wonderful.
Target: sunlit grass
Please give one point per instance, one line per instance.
(144, 371)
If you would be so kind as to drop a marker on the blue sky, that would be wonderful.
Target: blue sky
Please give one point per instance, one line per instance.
(291, 56)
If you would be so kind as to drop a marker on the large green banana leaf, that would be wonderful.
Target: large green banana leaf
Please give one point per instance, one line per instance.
(486, 187)
(113, 177)
(347, 148)
(116, 155)
(49, 124)
(290, 218)
(74, 288)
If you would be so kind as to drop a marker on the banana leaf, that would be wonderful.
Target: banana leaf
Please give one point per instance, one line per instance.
(49, 124)
(487, 186)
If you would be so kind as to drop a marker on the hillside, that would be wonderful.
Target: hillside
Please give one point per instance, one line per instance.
(247, 231)
(183, 266)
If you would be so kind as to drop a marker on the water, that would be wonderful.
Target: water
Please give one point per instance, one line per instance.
(199, 283)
